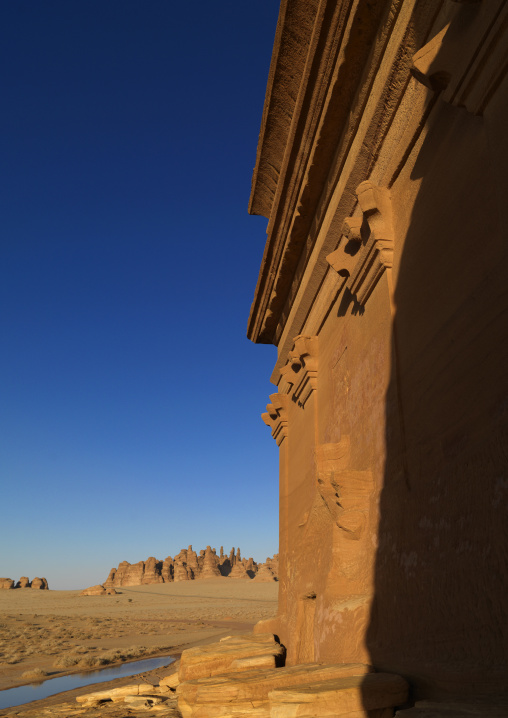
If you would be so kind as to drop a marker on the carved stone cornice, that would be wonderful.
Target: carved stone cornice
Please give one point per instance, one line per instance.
(366, 246)
(308, 97)
(276, 417)
(300, 373)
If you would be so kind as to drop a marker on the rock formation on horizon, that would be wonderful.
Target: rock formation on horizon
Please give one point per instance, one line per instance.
(24, 582)
(189, 566)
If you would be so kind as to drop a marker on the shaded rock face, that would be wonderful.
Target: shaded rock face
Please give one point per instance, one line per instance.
(189, 566)
(24, 582)
(40, 583)
(6, 583)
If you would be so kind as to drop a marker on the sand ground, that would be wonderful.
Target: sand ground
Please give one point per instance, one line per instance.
(60, 632)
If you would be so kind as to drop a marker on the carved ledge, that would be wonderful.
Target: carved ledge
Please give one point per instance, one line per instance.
(276, 417)
(366, 246)
(299, 375)
(376, 254)
(344, 259)
(346, 493)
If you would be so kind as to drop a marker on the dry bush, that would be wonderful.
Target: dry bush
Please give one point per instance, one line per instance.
(65, 662)
(36, 674)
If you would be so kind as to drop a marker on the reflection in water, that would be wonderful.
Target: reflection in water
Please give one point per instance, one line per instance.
(37, 691)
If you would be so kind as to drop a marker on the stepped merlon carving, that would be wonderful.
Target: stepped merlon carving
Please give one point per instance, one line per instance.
(366, 246)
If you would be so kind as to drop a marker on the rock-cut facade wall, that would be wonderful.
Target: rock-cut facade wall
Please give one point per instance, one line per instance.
(381, 168)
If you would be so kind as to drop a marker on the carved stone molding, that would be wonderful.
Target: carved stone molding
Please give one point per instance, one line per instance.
(276, 417)
(300, 373)
(366, 246)
(346, 493)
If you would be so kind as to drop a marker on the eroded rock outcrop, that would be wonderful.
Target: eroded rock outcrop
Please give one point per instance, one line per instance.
(24, 582)
(189, 566)
(40, 583)
(98, 590)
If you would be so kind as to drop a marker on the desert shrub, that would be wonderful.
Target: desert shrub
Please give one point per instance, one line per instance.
(36, 674)
(65, 662)
(92, 662)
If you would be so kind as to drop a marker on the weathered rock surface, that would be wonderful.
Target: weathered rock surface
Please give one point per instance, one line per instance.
(227, 655)
(24, 582)
(346, 696)
(188, 566)
(238, 677)
(98, 590)
(40, 583)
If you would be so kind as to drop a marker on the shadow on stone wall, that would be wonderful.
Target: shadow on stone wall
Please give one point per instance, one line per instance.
(440, 610)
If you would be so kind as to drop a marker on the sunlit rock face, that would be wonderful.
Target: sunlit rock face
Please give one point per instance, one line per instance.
(381, 163)
(189, 566)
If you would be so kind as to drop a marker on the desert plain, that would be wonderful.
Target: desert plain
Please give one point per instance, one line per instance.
(45, 634)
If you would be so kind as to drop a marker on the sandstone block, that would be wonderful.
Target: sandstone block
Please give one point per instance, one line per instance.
(171, 681)
(267, 660)
(344, 696)
(6, 583)
(24, 582)
(255, 685)
(115, 694)
(205, 661)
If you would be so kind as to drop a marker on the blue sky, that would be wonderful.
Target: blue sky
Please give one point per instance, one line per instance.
(130, 396)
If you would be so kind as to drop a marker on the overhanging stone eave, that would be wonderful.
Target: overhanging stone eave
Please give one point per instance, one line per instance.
(294, 29)
(272, 279)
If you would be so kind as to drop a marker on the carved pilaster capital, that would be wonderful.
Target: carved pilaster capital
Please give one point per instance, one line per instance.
(299, 375)
(276, 417)
(366, 246)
